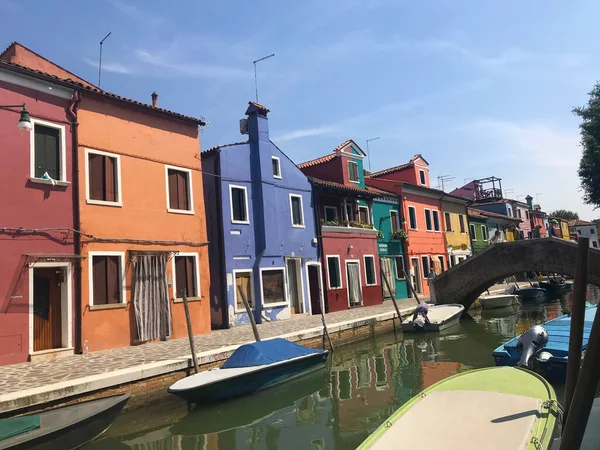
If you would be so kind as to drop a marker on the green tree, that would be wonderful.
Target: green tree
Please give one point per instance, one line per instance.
(565, 214)
(589, 165)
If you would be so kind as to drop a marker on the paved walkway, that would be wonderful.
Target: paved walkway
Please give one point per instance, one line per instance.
(37, 382)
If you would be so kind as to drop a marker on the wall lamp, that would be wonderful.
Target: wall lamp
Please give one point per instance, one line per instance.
(24, 121)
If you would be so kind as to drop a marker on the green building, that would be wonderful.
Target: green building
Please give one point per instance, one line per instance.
(390, 244)
(478, 230)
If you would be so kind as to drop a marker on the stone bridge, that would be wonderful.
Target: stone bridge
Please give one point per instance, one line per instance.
(464, 282)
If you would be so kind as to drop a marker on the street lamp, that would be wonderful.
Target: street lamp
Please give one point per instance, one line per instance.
(24, 121)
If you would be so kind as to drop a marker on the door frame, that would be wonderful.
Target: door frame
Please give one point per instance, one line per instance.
(299, 278)
(319, 281)
(418, 285)
(66, 303)
(351, 261)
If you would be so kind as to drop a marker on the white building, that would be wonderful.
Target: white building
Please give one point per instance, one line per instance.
(585, 229)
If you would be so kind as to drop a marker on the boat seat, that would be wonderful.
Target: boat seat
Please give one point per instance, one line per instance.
(465, 420)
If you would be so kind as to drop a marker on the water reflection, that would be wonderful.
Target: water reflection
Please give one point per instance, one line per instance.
(335, 408)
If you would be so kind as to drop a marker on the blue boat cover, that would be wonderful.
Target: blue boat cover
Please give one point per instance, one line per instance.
(266, 352)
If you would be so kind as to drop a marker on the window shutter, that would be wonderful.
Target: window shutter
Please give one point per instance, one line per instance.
(173, 201)
(182, 191)
(96, 175)
(52, 153)
(40, 152)
(189, 275)
(99, 274)
(110, 187)
(113, 279)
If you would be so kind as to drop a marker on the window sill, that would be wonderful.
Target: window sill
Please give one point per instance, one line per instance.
(354, 181)
(274, 305)
(242, 310)
(190, 299)
(56, 182)
(370, 285)
(180, 211)
(239, 222)
(104, 203)
(298, 226)
(337, 288)
(277, 177)
(109, 306)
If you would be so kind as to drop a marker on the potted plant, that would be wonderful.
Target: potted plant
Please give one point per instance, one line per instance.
(400, 235)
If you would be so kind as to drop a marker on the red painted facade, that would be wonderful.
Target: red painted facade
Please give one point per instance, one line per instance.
(28, 204)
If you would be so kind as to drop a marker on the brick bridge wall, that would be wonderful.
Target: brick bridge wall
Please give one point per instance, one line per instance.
(464, 282)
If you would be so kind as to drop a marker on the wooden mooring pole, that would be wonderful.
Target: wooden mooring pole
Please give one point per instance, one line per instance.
(387, 283)
(577, 321)
(250, 315)
(412, 289)
(188, 319)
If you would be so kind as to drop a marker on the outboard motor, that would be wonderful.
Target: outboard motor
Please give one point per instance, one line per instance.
(530, 344)
(419, 323)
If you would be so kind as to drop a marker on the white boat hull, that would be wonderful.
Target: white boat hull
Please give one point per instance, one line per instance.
(440, 318)
(498, 301)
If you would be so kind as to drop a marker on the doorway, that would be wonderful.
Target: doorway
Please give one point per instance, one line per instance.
(387, 274)
(315, 287)
(294, 276)
(355, 297)
(416, 275)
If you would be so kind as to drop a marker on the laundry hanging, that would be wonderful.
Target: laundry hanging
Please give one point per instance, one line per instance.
(354, 284)
(388, 274)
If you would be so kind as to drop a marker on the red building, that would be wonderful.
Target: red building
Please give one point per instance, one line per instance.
(347, 238)
(36, 240)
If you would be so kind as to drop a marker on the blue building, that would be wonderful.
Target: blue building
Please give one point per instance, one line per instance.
(261, 229)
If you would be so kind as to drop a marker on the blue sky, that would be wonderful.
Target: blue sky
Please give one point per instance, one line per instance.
(479, 88)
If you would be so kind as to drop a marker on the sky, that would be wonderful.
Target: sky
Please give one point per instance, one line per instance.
(478, 88)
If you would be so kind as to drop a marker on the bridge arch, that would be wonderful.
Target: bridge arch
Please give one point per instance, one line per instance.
(464, 282)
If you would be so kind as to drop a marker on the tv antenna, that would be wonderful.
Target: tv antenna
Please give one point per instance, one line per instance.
(508, 191)
(368, 152)
(442, 179)
(537, 197)
(100, 63)
(255, 77)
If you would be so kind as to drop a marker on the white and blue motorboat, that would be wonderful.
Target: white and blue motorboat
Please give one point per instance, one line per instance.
(251, 367)
(551, 358)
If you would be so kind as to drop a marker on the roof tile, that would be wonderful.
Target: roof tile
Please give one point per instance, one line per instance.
(314, 162)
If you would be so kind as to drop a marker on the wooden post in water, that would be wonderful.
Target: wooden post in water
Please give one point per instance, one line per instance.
(250, 315)
(189, 328)
(412, 289)
(577, 321)
(387, 283)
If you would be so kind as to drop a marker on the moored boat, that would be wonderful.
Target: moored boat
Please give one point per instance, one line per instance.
(66, 428)
(505, 407)
(251, 367)
(531, 293)
(440, 317)
(498, 301)
(555, 287)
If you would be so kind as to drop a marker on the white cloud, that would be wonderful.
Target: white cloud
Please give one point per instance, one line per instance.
(306, 132)
(109, 66)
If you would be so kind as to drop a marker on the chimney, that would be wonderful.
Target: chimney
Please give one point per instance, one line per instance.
(258, 124)
(529, 199)
(155, 99)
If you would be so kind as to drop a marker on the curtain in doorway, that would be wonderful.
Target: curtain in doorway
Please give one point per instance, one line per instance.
(437, 265)
(354, 284)
(151, 297)
(387, 271)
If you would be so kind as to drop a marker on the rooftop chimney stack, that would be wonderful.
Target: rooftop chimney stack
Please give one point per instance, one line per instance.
(155, 99)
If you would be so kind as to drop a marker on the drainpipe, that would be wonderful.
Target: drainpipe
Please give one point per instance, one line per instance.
(72, 114)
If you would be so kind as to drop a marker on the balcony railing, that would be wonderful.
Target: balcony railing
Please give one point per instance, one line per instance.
(348, 227)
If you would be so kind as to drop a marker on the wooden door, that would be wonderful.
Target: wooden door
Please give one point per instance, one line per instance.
(292, 273)
(47, 314)
(314, 289)
(416, 275)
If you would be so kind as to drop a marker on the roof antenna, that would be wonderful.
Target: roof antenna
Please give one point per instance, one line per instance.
(100, 63)
(255, 78)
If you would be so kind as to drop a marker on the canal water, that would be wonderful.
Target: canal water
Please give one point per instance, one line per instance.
(338, 407)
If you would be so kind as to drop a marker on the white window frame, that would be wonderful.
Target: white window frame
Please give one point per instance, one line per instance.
(443, 263)
(62, 153)
(421, 171)
(416, 228)
(174, 278)
(474, 237)
(350, 173)
(276, 158)
(245, 189)
(464, 223)
(286, 302)
(351, 206)
(398, 276)
(190, 190)
(90, 201)
(439, 227)
(326, 207)
(235, 292)
(368, 213)
(341, 286)
(374, 270)
(360, 283)
(90, 259)
(303, 225)
(425, 210)
(484, 233)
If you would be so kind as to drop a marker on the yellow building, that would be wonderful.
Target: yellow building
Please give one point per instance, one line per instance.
(457, 230)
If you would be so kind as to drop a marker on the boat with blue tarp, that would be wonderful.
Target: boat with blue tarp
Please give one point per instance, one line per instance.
(251, 367)
(552, 359)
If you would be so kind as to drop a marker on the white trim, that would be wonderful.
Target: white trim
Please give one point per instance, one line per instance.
(253, 306)
(62, 151)
(484, 233)
(276, 158)
(451, 230)
(474, 236)
(398, 224)
(197, 270)
(319, 281)
(443, 262)
(341, 286)
(66, 294)
(418, 279)
(416, 228)
(354, 261)
(421, 171)
(190, 190)
(303, 224)
(430, 218)
(374, 270)
(326, 207)
(368, 213)
(37, 85)
(90, 201)
(286, 302)
(436, 211)
(235, 186)
(299, 277)
(357, 174)
(90, 256)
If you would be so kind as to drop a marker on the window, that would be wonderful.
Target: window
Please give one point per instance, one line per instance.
(461, 221)
(472, 231)
(47, 151)
(412, 216)
(273, 286)
(103, 177)
(243, 283)
(592, 231)
(425, 260)
(106, 287)
(518, 212)
(395, 221)
(527, 215)
(186, 275)
(422, 177)
(484, 233)
(363, 214)
(448, 222)
(353, 171)
(399, 260)
(442, 266)
(334, 274)
(297, 212)
(529, 235)
(428, 224)
(239, 204)
(330, 214)
(370, 270)
(276, 163)
(350, 212)
(579, 231)
(436, 220)
(179, 192)
(595, 244)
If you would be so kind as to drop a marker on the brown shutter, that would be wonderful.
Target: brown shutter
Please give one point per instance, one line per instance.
(40, 152)
(190, 276)
(110, 188)
(173, 203)
(52, 153)
(182, 191)
(99, 274)
(113, 280)
(180, 273)
(96, 176)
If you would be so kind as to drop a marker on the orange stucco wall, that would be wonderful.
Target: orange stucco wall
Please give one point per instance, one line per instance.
(145, 143)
